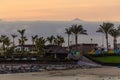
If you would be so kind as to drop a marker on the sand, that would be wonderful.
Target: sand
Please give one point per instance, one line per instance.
(104, 73)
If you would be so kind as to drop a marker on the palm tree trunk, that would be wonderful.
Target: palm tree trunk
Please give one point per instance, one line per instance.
(115, 43)
(76, 42)
(22, 48)
(33, 45)
(22, 45)
(33, 42)
(13, 42)
(68, 43)
(107, 41)
(13, 45)
(4, 48)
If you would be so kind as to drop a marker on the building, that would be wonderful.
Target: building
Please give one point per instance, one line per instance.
(50, 50)
(56, 51)
(27, 48)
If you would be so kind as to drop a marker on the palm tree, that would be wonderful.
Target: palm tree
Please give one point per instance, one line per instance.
(105, 28)
(33, 41)
(68, 32)
(5, 42)
(115, 33)
(13, 36)
(56, 41)
(34, 38)
(77, 29)
(60, 40)
(8, 50)
(40, 44)
(22, 39)
(50, 39)
(2, 40)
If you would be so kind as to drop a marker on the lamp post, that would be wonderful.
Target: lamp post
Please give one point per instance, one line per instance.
(91, 42)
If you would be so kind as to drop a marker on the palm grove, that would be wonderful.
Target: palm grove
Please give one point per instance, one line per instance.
(39, 42)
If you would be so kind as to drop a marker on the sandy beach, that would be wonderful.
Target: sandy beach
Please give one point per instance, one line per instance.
(104, 73)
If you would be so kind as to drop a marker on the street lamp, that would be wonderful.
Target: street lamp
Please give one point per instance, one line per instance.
(91, 42)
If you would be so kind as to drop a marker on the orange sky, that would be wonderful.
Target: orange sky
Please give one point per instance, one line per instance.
(92, 10)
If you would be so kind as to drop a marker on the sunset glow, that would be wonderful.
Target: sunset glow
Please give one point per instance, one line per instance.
(90, 10)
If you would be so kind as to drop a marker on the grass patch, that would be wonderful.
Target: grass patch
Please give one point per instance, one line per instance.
(108, 59)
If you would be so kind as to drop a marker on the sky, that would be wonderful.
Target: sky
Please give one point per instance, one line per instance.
(91, 10)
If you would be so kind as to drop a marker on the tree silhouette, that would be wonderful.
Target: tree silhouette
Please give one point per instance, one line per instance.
(22, 39)
(51, 39)
(13, 36)
(77, 29)
(68, 32)
(105, 28)
(115, 33)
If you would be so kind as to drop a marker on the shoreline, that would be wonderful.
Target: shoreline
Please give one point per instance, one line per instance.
(104, 73)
